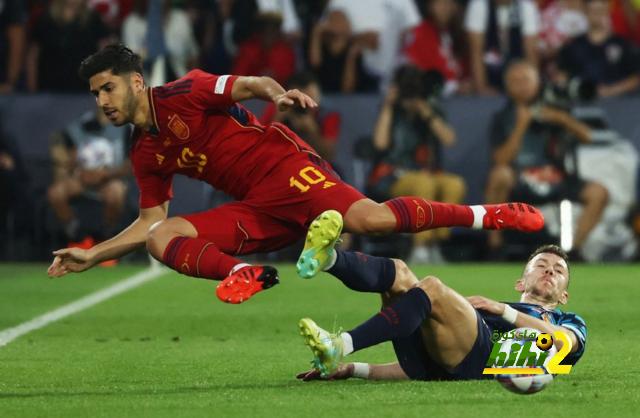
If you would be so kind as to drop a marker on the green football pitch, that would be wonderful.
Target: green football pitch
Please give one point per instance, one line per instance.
(170, 348)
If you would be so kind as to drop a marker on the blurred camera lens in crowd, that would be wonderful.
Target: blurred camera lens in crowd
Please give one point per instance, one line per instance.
(569, 93)
(415, 83)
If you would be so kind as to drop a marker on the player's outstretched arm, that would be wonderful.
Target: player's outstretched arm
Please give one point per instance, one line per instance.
(524, 320)
(76, 260)
(266, 88)
(390, 371)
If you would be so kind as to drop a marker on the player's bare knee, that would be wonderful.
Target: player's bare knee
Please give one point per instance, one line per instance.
(434, 288)
(404, 280)
(158, 238)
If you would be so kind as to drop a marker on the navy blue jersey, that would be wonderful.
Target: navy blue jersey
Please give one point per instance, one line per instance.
(568, 320)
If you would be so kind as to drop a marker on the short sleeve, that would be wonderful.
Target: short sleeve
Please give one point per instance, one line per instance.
(208, 91)
(411, 14)
(475, 19)
(530, 18)
(576, 324)
(155, 189)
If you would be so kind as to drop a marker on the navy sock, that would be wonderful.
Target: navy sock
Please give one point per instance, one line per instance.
(364, 273)
(396, 321)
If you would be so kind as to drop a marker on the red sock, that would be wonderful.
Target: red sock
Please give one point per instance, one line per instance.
(415, 214)
(198, 258)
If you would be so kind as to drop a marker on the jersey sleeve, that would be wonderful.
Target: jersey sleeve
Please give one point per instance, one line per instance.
(155, 188)
(576, 324)
(210, 91)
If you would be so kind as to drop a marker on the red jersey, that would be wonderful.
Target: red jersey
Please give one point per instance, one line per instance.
(198, 131)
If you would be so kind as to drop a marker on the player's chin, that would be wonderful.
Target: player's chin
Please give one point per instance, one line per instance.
(119, 121)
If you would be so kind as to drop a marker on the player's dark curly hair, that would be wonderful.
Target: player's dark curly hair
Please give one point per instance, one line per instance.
(553, 249)
(117, 58)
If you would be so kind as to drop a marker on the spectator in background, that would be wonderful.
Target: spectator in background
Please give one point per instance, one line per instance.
(12, 43)
(266, 53)
(336, 57)
(64, 34)
(524, 139)
(500, 31)
(560, 22)
(381, 27)
(181, 46)
(601, 56)
(409, 135)
(244, 18)
(206, 20)
(319, 127)
(89, 158)
(431, 46)
(112, 12)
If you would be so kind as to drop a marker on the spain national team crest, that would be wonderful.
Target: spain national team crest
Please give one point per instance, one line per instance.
(178, 127)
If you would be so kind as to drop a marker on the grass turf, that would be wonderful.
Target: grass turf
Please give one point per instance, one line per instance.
(170, 348)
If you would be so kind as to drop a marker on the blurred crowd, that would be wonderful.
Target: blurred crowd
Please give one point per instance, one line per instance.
(413, 53)
(350, 45)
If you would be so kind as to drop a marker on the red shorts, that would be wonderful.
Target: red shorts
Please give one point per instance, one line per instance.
(277, 212)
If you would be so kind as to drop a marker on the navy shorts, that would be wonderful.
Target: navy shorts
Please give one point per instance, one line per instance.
(418, 364)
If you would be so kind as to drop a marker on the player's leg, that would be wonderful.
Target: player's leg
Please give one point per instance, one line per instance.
(414, 214)
(450, 189)
(415, 183)
(447, 321)
(59, 195)
(198, 245)
(113, 194)
(359, 272)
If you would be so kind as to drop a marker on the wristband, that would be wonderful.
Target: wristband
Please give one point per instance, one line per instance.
(510, 315)
(361, 370)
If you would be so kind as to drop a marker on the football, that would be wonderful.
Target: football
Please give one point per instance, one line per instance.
(526, 383)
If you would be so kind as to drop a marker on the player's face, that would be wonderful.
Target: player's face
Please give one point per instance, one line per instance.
(545, 278)
(115, 96)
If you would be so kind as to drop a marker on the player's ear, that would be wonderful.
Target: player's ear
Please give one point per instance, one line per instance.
(137, 81)
(520, 285)
(564, 297)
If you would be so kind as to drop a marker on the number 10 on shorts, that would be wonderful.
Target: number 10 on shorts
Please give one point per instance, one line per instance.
(308, 177)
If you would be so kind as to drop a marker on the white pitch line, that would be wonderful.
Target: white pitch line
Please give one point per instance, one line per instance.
(88, 301)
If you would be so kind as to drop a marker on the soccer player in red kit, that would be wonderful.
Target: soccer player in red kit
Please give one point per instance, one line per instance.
(194, 127)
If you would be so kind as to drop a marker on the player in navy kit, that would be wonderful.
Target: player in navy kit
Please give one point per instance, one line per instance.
(194, 127)
(437, 334)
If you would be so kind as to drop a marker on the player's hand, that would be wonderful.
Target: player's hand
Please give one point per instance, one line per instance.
(294, 98)
(344, 371)
(487, 305)
(70, 260)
